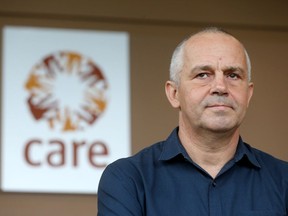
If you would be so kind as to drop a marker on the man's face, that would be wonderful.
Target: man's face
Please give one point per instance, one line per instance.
(213, 92)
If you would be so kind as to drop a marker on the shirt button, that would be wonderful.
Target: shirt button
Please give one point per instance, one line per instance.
(214, 184)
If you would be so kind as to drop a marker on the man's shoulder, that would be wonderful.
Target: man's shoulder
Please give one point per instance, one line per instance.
(139, 161)
(267, 160)
(267, 157)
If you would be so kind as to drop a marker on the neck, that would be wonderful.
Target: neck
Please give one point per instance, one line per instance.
(210, 150)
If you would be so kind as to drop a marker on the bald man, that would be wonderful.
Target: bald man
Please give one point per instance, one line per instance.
(203, 167)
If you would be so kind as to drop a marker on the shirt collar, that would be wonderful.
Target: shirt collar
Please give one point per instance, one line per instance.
(173, 148)
(244, 153)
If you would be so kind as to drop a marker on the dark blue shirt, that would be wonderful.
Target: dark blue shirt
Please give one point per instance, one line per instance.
(162, 180)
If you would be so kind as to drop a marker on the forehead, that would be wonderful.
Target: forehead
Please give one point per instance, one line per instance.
(214, 47)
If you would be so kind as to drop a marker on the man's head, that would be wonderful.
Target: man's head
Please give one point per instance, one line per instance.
(210, 82)
(177, 60)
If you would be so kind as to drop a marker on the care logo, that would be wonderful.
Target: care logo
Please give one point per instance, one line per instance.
(73, 93)
(67, 90)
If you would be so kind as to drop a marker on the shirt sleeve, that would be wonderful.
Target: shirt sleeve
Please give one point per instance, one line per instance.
(117, 193)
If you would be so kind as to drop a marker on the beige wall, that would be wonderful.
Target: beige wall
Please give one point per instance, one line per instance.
(155, 29)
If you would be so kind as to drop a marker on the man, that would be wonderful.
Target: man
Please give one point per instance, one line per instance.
(204, 167)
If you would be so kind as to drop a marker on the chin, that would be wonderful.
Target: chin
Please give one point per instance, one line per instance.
(221, 130)
(221, 127)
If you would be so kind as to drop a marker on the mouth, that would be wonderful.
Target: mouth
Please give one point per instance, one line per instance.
(219, 107)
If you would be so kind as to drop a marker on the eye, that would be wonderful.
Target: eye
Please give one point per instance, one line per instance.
(202, 75)
(233, 76)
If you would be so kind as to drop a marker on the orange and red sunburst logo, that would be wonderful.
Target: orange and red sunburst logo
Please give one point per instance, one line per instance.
(67, 90)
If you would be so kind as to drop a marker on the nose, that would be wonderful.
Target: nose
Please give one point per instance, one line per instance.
(219, 85)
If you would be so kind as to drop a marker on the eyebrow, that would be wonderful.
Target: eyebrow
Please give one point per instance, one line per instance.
(231, 68)
(240, 70)
(201, 67)
(210, 67)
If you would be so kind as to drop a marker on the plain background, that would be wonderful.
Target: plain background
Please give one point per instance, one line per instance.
(155, 28)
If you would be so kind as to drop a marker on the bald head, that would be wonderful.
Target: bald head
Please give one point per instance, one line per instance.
(199, 39)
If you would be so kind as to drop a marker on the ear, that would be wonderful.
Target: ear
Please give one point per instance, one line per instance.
(171, 90)
(250, 92)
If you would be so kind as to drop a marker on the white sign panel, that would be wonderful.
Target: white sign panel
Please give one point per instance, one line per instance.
(65, 108)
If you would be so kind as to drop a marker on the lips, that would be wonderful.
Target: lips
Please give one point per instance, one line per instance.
(219, 106)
